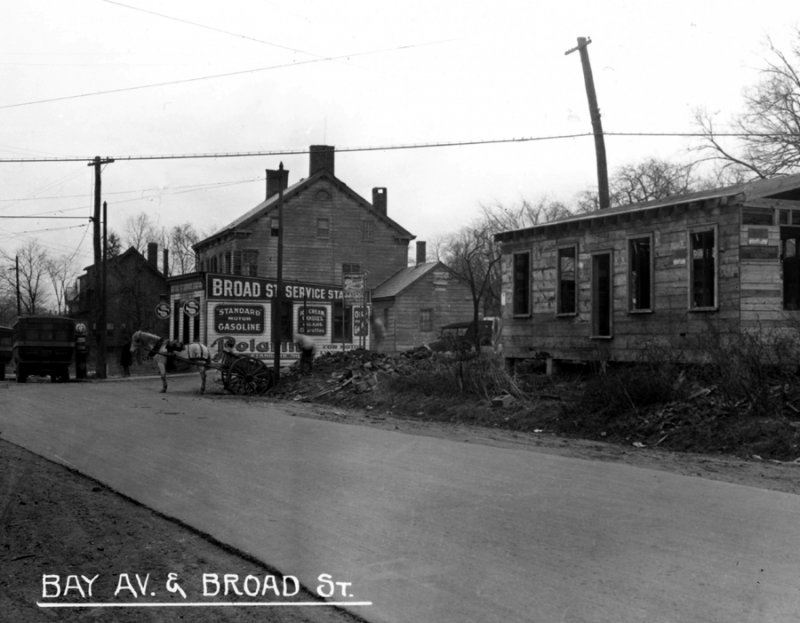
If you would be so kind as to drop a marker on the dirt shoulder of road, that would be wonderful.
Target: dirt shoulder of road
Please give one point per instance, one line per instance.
(56, 522)
(764, 474)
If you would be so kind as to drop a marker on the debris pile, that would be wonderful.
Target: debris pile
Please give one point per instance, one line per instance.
(351, 372)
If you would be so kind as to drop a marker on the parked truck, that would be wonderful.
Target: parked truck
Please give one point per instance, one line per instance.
(43, 346)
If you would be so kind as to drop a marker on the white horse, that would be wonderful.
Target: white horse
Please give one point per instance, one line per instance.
(159, 349)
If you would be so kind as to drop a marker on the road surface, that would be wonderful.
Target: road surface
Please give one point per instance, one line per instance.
(427, 530)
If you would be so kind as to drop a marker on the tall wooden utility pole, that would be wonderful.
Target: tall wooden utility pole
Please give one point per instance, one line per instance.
(597, 127)
(277, 328)
(99, 311)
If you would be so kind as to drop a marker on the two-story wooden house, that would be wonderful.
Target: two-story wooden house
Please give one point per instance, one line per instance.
(328, 232)
(134, 288)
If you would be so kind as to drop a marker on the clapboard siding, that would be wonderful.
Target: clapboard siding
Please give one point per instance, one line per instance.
(309, 256)
(448, 299)
(671, 324)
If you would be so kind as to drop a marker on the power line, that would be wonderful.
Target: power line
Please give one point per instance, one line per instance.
(212, 28)
(462, 143)
(216, 76)
(45, 217)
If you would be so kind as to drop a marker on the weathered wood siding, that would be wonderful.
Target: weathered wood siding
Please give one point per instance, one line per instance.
(671, 328)
(313, 258)
(448, 299)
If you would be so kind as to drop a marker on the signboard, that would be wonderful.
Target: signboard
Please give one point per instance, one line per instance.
(239, 319)
(238, 288)
(162, 310)
(191, 308)
(312, 320)
(360, 322)
(353, 288)
(80, 329)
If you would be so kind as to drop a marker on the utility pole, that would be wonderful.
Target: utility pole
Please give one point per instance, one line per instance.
(276, 314)
(597, 127)
(99, 285)
(19, 305)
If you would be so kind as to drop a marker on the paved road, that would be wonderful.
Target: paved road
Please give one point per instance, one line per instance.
(428, 530)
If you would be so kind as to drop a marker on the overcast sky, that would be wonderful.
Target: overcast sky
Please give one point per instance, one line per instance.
(82, 78)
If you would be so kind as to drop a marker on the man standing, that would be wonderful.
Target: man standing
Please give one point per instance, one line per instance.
(307, 348)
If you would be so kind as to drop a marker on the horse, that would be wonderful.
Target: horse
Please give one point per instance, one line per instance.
(159, 349)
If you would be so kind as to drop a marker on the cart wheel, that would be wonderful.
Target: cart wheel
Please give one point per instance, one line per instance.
(248, 376)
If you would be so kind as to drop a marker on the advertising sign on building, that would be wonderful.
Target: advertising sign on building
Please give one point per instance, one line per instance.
(240, 310)
(312, 320)
(240, 319)
(353, 288)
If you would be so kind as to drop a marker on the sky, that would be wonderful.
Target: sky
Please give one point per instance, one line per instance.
(247, 84)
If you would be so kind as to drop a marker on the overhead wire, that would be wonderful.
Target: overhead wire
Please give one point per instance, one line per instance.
(217, 76)
(432, 145)
(211, 28)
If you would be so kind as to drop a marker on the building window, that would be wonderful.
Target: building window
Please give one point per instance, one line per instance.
(351, 269)
(790, 261)
(426, 319)
(342, 322)
(602, 295)
(250, 263)
(702, 269)
(367, 231)
(567, 281)
(274, 226)
(522, 284)
(323, 228)
(640, 274)
(237, 262)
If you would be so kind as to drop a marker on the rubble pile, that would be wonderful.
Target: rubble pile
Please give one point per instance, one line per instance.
(349, 372)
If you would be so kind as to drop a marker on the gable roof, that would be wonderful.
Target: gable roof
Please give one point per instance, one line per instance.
(131, 254)
(403, 279)
(759, 189)
(270, 204)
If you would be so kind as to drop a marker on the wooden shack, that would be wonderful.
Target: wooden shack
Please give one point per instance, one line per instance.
(655, 279)
(415, 303)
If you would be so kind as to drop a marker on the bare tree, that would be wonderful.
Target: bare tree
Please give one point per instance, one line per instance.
(181, 240)
(474, 258)
(499, 217)
(32, 259)
(648, 180)
(141, 230)
(62, 274)
(769, 127)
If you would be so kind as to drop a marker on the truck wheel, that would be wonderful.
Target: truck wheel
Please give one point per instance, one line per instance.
(64, 375)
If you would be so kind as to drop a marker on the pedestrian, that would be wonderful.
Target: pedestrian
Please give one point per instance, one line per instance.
(126, 357)
(378, 331)
(307, 348)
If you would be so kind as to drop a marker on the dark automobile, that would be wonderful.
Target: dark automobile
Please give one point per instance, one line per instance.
(460, 336)
(6, 339)
(42, 346)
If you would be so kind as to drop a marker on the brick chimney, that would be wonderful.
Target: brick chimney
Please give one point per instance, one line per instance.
(379, 199)
(152, 254)
(321, 159)
(421, 252)
(276, 182)
(165, 255)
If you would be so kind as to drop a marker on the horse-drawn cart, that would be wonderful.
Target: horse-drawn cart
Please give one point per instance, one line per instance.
(240, 374)
(244, 375)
